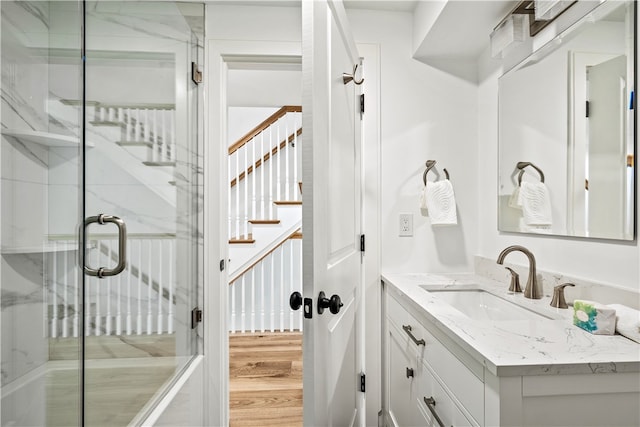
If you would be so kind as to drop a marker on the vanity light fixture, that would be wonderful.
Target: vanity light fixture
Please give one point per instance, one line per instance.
(508, 33)
(546, 10)
(512, 29)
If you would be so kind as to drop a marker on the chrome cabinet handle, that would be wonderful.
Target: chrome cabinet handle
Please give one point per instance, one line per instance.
(407, 329)
(431, 404)
(122, 246)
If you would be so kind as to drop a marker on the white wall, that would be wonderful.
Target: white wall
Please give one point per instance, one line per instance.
(425, 114)
(605, 262)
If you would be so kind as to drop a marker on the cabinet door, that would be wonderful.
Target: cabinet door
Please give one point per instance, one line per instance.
(436, 406)
(403, 383)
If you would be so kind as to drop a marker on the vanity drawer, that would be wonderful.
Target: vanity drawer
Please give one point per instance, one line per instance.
(457, 377)
(440, 403)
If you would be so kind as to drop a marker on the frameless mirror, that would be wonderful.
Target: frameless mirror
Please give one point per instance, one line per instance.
(567, 132)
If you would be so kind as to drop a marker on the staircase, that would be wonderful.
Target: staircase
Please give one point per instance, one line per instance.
(265, 219)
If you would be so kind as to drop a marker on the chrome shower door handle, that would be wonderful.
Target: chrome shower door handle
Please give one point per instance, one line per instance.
(101, 272)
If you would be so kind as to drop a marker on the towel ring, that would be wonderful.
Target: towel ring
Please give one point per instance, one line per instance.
(522, 165)
(430, 164)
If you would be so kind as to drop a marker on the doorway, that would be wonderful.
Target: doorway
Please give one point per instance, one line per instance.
(264, 128)
(100, 258)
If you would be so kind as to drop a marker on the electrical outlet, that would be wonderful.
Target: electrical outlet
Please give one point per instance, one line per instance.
(406, 224)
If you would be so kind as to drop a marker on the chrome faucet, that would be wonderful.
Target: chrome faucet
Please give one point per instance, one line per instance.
(531, 288)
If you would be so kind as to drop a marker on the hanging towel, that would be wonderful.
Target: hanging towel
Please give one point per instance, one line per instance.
(423, 198)
(441, 203)
(514, 199)
(628, 321)
(536, 203)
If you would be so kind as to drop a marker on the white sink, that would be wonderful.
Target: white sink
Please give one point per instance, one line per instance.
(479, 304)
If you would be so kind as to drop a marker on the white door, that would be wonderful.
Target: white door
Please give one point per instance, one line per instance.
(331, 218)
(607, 154)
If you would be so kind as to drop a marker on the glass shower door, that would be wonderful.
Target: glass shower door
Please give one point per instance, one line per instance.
(41, 202)
(141, 198)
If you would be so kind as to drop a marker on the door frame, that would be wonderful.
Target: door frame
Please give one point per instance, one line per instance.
(219, 54)
(215, 335)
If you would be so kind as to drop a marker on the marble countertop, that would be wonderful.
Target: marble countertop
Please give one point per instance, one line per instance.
(548, 345)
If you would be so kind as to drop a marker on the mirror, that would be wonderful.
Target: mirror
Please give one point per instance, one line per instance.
(566, 132)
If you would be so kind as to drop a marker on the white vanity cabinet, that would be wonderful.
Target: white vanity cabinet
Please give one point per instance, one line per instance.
(425, 382)
(423, 362)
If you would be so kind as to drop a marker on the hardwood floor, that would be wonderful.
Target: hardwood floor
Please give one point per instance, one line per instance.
(265, 387)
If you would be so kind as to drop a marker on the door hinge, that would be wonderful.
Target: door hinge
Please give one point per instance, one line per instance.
(362, 382)
(362, 243)
(196, 317)
(221, 265)
(196, 75)
(362, 103)
(587, 109)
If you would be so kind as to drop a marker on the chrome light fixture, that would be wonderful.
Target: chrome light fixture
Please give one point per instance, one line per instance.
(508, 33)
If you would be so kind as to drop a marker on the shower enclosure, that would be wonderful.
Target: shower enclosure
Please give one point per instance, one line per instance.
(100, 198)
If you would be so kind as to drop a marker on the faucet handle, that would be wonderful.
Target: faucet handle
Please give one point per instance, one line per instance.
(514, 286)
(558, 300)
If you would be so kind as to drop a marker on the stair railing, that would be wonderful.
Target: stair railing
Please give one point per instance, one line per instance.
(139, 301)
(264, 167)
(258, 299)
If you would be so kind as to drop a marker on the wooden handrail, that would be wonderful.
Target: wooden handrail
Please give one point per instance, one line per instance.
(265, 124)
(266, 157)
(295, 235)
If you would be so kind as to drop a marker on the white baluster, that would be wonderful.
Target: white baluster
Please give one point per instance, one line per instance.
(109, 296)
(54, 293)
(262, 168)
(270, 203)
(154, 139)
(237, 174)
(129, 128)
(112, 114)
(129, 296)
(149, 290)
(165, 140)
(229, 228)
(160, 280)
(289, 244)
(253, 300)
(171, 284)
(243, 305)
(246, 192)
(272, 287)
(233, 306)
(278, 168)
(172, 134)
(103, 114)
(139, 314)
(253, 178)
(282, 287)
(295, 159)
(286, 160)
(262, 299)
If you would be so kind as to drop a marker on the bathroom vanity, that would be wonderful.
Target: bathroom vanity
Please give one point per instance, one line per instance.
(514, 362)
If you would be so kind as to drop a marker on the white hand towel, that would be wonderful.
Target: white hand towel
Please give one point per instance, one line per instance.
(514, 199)
(423, 198)
(536, 203)
(628, 321)
(441, 203)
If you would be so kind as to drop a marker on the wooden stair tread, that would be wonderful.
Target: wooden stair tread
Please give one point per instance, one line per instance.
(264, 221)
(242, 240)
